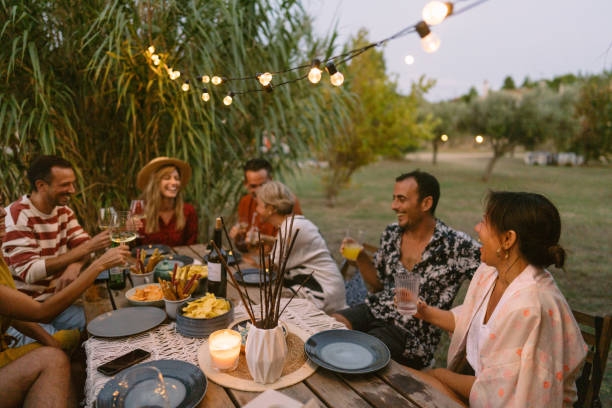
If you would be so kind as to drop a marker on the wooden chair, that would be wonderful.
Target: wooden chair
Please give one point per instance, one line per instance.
(597, 333)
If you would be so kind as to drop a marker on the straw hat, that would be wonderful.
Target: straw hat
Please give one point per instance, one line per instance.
(151, 167)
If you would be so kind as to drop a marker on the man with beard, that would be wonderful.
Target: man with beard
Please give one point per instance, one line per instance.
(44, 246)
(421, 244)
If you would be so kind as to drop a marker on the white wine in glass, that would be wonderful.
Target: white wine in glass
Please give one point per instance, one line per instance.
(105, 218)
(123, 229)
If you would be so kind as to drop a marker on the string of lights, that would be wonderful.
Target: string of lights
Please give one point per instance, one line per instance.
(434, 13)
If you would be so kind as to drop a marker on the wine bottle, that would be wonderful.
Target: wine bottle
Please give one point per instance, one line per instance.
(217, 274)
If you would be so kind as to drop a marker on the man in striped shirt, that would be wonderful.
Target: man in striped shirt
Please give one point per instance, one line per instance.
(44, 246)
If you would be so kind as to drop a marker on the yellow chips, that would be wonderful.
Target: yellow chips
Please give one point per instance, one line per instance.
(149, 293)
(206, 307)
(187, 271)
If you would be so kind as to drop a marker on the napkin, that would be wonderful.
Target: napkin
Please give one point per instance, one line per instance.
(274, 399)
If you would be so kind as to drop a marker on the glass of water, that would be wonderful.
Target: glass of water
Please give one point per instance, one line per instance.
(407, 292)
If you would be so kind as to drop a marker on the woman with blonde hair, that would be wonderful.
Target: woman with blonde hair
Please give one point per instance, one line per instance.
(310, 254)
(168, 219)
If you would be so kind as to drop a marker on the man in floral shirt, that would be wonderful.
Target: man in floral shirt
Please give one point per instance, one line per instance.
(418, 243)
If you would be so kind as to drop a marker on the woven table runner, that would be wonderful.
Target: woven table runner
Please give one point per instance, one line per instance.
(164, 342)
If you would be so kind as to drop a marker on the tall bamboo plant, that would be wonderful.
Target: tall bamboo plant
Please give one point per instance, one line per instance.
(76, 80)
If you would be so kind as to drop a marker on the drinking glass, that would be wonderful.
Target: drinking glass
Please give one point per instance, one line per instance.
(351, 250)
(123, 228)
(407, 292)
(141, 386)
(137, 212)
(105, 217)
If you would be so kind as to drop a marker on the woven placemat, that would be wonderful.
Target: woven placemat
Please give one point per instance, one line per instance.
(297, 366)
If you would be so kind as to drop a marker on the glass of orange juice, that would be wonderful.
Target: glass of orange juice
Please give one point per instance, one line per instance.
(351, 249)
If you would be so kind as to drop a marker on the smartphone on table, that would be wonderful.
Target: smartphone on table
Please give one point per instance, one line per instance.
(122, 362)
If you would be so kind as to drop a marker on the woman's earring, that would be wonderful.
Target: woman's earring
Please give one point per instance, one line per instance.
(498, 252)
(507, 254)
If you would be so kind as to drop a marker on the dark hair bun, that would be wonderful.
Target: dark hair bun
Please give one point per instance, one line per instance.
(557, 255)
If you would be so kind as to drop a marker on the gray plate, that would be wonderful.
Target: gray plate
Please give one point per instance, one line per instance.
(347, 351)
(126, 322)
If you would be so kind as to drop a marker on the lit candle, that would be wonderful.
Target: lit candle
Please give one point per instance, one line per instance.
(224, 347)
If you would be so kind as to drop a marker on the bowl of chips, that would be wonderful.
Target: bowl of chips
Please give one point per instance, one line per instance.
(149, 294)
(201, 316)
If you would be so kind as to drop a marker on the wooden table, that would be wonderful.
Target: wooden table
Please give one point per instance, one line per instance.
(391, 387)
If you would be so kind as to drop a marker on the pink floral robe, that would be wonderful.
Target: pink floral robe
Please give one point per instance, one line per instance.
(535, 349)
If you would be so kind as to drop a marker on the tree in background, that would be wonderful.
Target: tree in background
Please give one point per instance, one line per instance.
(508, 83)
(594, 111)
(77, 81)
(447, 119)
(382, 122)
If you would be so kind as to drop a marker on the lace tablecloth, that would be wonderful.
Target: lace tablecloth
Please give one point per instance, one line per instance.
(164, 342)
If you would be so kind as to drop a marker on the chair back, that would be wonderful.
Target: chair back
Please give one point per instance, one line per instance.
(597, 333)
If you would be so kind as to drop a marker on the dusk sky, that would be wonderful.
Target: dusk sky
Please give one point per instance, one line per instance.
(538, 38)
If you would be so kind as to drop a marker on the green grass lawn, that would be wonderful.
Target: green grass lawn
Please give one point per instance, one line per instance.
(583, 196)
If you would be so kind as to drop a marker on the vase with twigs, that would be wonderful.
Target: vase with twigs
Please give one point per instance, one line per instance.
(266, 348)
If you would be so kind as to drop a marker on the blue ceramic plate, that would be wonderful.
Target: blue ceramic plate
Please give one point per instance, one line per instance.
(250, 275)
(347, 351)
(185, 383)
(126, 321)
(149, 249)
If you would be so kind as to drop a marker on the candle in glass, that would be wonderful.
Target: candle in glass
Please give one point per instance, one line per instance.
(224, 347)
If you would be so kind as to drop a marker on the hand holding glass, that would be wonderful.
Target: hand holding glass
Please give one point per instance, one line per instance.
(407, 292)
(352, 247)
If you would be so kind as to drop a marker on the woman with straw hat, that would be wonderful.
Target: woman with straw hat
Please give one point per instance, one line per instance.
(168, 220)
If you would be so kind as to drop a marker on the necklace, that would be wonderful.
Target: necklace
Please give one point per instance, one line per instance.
(510, 267)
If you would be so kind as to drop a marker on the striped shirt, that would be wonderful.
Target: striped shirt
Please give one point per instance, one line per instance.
(33, 236)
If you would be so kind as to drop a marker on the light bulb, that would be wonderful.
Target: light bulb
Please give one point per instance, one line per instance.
(156, 61)
(205, 95)
(409, 59)
(216, 80)
(431, 42)
(314, 75)
(151, 49)
(435, 12)
(265, 78)
(444, 138)
(479, 139)
(177, 74)
(227, 101)
(337, 79)
(155, 57)
(185, 86)
(205, 79)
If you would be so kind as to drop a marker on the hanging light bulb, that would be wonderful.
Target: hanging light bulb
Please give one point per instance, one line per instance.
(479, 139)
(227, 101)
(409, 60)
(185, 86)
(435, 12)
(156, 61)
(444, 138)
(265, 78)
(205, 79)
(151, 49)
(429, 40)
(314, 75)
(205, 95)
(216, 80)
(335, 77)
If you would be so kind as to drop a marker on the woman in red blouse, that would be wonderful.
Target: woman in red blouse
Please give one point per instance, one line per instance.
(168, 220)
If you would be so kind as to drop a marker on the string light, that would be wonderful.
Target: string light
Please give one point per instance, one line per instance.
(435, 12)
(265, 78)
(205, 95)
(444, 138)
(185, 86)
(335, 77)
(227, 101)
(479, 139)
(205, 79)
(314, 75)
(156, 61)
(429, 40)
(409, 60)
(151, 49)
(216, 80)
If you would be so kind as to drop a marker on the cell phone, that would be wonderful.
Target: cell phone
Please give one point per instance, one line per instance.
(129, 359)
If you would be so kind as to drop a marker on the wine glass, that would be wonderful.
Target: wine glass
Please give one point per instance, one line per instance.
(141, 386)
(105, 217)
(123, 228)
(137, 210)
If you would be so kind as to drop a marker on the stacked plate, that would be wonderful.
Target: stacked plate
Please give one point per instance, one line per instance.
(192, 327)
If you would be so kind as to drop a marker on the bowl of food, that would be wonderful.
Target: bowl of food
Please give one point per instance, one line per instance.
(149, 294)
(202, 316)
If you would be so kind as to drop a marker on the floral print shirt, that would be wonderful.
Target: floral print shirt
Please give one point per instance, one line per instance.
(450, 257)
